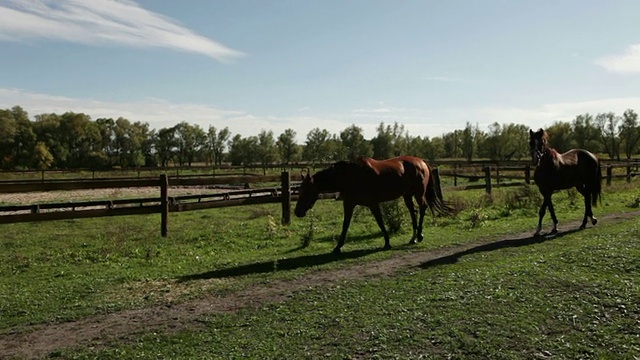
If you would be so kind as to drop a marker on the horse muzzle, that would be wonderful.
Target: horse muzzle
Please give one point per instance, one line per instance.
(300, 213)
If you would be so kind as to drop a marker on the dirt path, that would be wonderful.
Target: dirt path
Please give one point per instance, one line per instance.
(39, 340)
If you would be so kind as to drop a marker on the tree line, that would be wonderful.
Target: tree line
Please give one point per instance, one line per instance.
(74, 140)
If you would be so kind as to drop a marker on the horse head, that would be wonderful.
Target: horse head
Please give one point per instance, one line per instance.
(307, 196)
(538, 143)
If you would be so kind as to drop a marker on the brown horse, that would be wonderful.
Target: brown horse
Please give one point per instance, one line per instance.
(369, 182)
(554, 171)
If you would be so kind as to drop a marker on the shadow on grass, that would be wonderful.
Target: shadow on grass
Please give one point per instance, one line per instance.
(334, 240)
(502, 244)
(278, 265)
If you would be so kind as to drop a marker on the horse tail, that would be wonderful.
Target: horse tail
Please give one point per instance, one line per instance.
(596, 192)
(433, 196)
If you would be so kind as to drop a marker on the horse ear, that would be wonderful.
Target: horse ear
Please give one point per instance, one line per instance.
(530, 132)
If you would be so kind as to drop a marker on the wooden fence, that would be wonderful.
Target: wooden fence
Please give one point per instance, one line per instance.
(282, 192)
(164, 204)
(496, 176)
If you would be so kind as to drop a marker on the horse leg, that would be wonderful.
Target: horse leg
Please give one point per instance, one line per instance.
(553, 217)
(375, 209)
(408, 201)
(348, 214)
(543, 209)
(423, 210)
(587, 208)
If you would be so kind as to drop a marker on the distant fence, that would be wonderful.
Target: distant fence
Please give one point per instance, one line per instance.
(495, 176)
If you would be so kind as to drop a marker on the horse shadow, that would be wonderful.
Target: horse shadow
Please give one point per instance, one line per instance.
(271, 266)
(502, 244)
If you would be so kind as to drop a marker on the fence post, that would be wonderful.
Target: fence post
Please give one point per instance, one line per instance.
(628, 172)
(455, 177)
(286, 198)
(527, 174)
(164, 204)
(609, 174)
(487, 178)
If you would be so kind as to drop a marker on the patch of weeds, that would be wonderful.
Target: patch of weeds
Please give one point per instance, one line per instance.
(477, 218)
(572, 195)
(271, 227)
(635, 202)
(393, 214)
(525, 197)
(258, 212)
(309, 234)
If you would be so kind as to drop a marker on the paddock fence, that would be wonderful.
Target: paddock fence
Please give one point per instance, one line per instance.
(239, 192)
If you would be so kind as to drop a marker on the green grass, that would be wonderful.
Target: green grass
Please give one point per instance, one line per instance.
(574, 296)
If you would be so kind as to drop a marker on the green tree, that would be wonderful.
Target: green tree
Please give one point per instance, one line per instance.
(353, 143)
(165, 145)
(560, 136)
(608, 125)
(243, 151)
(629, 133)
(8, 130)
(585, 133)
(190, 140)
(318, 146)
(469, 142)
(267, 150)
(216, 143)
(287, 147)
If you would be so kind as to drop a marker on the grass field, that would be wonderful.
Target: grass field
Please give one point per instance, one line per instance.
(576, 295)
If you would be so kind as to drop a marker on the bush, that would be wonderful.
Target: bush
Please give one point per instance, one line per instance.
(394, 214)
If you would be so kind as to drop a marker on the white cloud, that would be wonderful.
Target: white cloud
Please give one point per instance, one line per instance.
(626, 63)
(103, 22)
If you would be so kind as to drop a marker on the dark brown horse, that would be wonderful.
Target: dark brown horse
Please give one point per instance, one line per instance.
(554, 171)
(369, 182)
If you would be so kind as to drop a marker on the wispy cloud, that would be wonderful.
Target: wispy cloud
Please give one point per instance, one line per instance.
(626, 63)
(95, 22)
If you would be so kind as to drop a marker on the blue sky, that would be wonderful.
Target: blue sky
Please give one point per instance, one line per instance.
(273, 65)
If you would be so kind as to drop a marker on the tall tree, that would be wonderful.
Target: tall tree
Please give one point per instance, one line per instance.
(165, 145)
(287, 148)
(267, 150)
(318, 146)
(560, 136)
(216, 143)
(8, 130)
(608, 125)
(585, 133)
(354, 143)
(629, 133)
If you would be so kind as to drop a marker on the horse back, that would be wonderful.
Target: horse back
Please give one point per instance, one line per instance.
(566, 170)
(391, 178)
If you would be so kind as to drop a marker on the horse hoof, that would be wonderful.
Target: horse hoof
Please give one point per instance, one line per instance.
(583, 226)
(387, 247)
(412, 241)
(420, 238)
(554, 231)
(594, 221)
(336, 251)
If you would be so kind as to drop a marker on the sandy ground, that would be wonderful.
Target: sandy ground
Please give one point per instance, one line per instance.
(95, 194)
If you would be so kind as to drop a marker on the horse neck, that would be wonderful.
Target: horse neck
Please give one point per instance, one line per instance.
(325, 181)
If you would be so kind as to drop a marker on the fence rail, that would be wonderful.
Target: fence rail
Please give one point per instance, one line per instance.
(164, 204)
